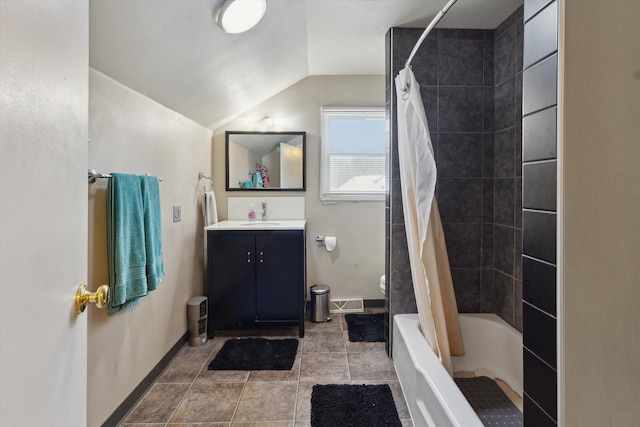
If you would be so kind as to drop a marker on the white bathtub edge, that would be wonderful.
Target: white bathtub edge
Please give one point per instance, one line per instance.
(433, 398)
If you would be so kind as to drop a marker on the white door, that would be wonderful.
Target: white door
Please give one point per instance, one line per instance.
(43, 211)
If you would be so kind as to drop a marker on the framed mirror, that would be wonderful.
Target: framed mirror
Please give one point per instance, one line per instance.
(265, 161)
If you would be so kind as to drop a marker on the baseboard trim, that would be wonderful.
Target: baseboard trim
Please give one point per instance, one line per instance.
(368, 303)
(130, 402)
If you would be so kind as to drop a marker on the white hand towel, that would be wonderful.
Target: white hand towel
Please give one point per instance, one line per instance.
(209, 209)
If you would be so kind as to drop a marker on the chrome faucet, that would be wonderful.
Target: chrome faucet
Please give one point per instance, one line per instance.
(264, 211)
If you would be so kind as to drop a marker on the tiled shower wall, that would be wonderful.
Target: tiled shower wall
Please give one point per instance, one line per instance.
(472, 107)
(540, 87)
(508, 48)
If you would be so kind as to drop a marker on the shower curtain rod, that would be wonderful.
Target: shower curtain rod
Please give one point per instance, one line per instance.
(426, 32)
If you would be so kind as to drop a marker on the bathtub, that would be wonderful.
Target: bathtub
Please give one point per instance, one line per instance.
(432, 396)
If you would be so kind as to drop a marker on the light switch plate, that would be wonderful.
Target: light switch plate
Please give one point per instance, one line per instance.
(177, 213)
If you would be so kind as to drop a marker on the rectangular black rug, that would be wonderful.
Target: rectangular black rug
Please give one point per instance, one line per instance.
(353, 405)
(494, 408)
(253, 354)
(365, 327)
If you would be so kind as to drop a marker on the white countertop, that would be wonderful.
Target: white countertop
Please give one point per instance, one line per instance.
(259, 225)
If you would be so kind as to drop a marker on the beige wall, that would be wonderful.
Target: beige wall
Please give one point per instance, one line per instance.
(600, 214)
(354, 268)
(132, 134)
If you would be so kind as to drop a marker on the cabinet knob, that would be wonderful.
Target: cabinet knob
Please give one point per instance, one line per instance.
(249, 256)
(261, 256)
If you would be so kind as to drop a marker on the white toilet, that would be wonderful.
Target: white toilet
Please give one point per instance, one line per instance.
(383, 281)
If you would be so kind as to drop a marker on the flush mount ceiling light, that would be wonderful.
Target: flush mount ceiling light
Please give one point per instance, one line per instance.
(238, 16)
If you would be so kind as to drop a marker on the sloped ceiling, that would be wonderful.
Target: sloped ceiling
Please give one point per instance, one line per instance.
(173, 52)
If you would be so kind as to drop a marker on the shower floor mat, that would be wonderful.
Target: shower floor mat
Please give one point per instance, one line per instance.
(353, 405)
(365, 327)
(255, 354)
(493, 407)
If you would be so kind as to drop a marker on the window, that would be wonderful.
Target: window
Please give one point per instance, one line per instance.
(353, 143)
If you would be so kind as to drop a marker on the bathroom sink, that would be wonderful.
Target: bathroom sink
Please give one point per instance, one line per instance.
(284, 224)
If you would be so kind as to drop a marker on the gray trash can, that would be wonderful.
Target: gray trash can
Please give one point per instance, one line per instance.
(197, 321)
(320, 303)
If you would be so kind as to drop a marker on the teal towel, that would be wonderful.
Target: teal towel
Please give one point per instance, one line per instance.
(257, 180)
(125, 241)
(152, 230)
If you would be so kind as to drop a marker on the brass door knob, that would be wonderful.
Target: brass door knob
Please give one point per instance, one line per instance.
(84, 297)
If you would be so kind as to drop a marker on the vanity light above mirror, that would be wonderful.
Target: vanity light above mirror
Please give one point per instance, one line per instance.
(265, 161)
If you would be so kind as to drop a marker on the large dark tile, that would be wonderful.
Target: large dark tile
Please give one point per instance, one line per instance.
(517, 305)
(504, 104)
(539, 185)
(504, 201)
(540, 383)
(541, 35)
(517, 203)
(519, 41)
(540, 85)
(488, 155)
(460, 33)
(466, 283)
(488, 114)
(397, 212)
(505, 25)
(534, 416)
(487, 291)
(429, 95)
(539, 135)
(539, 334)
(403, 40)
(504, 54)
(518, 100)
(488, 59)
(402, 297)
(504, 296)
(504, 154)
(539, 284)
(460, 155)
(539, 235)
(517, 254)
(487, 246)
(518, 151)
(503, 247)
(460, 199)
(425, 63)
(460, 109)
(460, 62)
(488, 201)
(463, 244)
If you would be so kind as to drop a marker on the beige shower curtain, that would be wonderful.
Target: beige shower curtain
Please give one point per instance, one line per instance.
(432, 283)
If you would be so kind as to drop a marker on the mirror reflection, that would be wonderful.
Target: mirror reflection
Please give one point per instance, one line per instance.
(265, 160)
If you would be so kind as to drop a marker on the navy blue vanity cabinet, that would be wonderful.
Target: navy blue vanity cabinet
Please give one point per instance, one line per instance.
(255, 278)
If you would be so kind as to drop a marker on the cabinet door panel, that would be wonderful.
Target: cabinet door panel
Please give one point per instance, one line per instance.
(279, 263)
(232, 287)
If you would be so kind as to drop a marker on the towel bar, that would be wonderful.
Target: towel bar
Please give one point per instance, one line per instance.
(93, 175)
(84, 297)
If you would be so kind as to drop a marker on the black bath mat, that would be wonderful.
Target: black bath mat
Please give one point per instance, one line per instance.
(353, 405)
(253, 354)
(365, 327)
(486, 397)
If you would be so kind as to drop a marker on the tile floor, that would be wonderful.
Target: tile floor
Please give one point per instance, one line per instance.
(187, 394)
